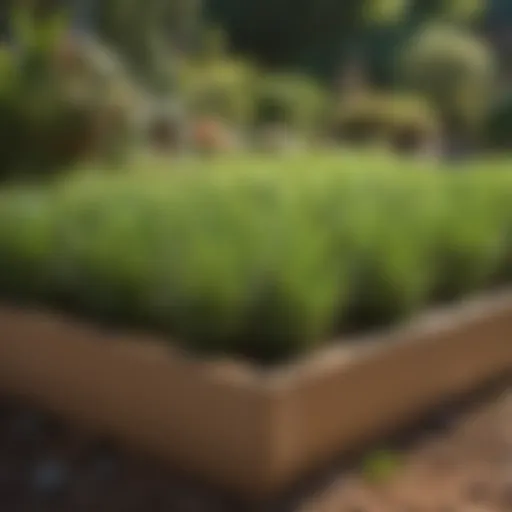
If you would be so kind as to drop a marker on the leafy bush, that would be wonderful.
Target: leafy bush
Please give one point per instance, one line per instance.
(453, 68)
(260, 258)
(141, 32)
(472, 241)
(406, 122)
(316, 35)
(295, 100)
(214, 84)
(393, 276)
(413, 123)
(360, 120)
(61, 99)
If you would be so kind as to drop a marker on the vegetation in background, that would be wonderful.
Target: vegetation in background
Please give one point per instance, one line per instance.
(186, 80)
(321, 35)
(145, 32)
(404, 123)
(211, 82)
(498, 124)
(293, 99)
(455, 70)
(61, 99)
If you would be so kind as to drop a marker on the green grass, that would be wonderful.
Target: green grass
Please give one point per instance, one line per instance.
(260, 257)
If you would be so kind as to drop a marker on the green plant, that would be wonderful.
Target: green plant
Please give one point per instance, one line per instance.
(472, 238)
(404, 121)
(258, 257)
(381, 466)
(213, 83)
(393, 276)
(142, 32)
(292, 99)
(412, 123)
(453, 69)
(319, 37)
(360, 119)
(27, 92)
(61, 99)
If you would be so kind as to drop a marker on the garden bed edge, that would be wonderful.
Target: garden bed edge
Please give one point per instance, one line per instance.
(251, 431)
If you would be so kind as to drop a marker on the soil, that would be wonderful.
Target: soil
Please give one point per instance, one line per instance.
(457, 460)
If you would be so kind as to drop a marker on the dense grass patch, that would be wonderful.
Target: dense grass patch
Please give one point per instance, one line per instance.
(261, 258)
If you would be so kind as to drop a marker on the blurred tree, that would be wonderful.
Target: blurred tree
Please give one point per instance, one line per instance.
(212, 83)
(498, 128)
(140, 31)
(319, 34)
(61, 98)
(314, 35)
(280, 32)
(293, 100)
(454, 69)
(145, 32)
(136, 29)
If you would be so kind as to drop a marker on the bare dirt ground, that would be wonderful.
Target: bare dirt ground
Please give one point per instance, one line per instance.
(461, 464)
(459, 459)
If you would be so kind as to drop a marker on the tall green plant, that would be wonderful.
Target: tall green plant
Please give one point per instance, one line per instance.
(454, 69)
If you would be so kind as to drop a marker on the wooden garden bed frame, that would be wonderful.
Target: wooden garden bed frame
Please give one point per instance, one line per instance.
(251, 430)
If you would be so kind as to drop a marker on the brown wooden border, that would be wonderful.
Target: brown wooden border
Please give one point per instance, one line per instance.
(250, 430)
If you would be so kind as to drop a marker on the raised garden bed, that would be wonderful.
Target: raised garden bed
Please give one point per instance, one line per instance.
(249, 430)
(225, 274)
(456, 457)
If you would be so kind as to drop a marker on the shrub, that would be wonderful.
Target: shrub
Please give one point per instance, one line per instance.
(392, 273)
(294, 100)
(472, 239)
(360, 120)
(260, 258)
(453, 68)
(413, 123)
(403, 121)
(214, 84)
(60, 99)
